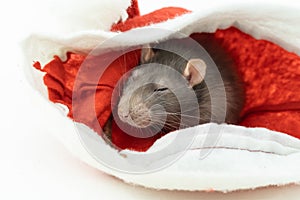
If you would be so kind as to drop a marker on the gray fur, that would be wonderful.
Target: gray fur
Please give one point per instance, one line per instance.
(165, 69)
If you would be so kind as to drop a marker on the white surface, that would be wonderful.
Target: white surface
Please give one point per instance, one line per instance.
(35, 165)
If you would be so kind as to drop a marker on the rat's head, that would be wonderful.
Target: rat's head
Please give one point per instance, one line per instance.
(155, 93)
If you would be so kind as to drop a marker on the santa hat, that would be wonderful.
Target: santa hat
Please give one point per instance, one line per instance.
(264, 149)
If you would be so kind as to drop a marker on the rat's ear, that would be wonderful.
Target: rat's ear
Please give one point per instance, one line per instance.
(195, 71)
(147, 53)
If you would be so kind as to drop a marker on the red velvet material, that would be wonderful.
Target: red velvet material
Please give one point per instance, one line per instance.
(61, 76)
(270, 73)
(272, 81)
(155, 17)
(133, 10)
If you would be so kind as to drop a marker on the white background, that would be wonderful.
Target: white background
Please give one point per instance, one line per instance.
(33, 164)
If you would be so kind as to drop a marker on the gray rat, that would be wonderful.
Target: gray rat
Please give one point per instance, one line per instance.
(175, 81)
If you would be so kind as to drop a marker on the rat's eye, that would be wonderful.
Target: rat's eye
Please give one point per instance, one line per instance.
(160, 89)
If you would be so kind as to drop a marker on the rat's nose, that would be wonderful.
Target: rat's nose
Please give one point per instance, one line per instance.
(123, 114)
(141, 116)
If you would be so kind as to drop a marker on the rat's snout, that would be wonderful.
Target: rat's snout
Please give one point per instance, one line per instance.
(123, 114)
(140, 115)
(137, 115)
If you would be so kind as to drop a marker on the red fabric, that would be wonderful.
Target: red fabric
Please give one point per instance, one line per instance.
(155, 17)
(133, 10)
(60, 79)
(272, 81)
(125, 141)
(271, 76)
